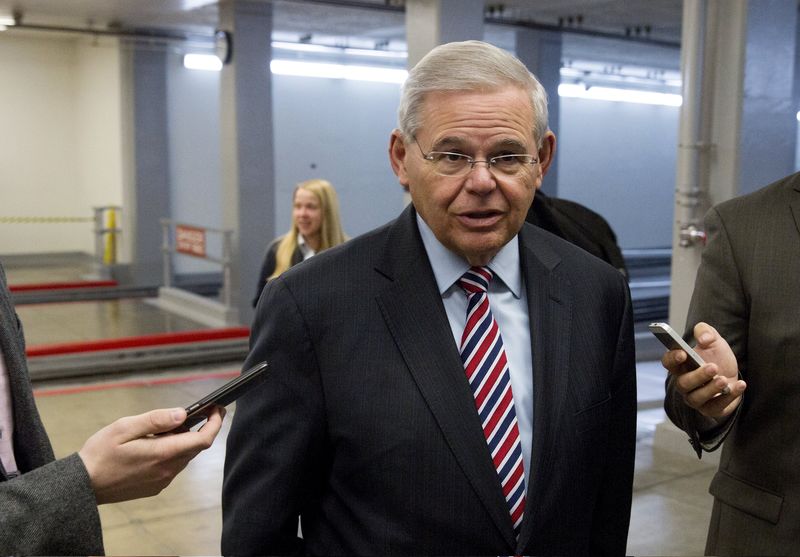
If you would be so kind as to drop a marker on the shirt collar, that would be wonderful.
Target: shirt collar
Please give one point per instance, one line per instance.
(448, 267)
(305, 249)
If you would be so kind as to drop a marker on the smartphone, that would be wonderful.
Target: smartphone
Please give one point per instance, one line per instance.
(230, 391)
(673, 341)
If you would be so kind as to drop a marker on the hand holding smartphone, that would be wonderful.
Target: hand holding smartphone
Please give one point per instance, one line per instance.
(227, 393)
(673, 341)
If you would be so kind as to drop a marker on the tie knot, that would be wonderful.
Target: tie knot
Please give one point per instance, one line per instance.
(476, 280)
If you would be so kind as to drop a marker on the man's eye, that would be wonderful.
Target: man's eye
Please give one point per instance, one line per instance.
(455, 157)
(506, 160)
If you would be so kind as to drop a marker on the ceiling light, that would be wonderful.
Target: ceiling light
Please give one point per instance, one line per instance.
(338, 71)
(618, 95)
(207, 62)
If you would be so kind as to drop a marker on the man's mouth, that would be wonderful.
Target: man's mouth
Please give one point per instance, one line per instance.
(480, 219)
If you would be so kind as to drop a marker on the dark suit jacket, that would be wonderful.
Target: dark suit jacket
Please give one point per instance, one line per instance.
(366, 426)
(748, 287)
(268, 266)
(578, 225)
(50, 509)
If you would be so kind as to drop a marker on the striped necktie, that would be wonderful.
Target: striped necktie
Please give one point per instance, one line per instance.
(486, 367)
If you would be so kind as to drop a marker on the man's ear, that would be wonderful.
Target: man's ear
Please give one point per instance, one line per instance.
(397, 157)
(547, 151)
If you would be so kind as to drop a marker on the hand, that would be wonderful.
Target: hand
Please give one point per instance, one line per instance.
(128, 459)
(714, 389)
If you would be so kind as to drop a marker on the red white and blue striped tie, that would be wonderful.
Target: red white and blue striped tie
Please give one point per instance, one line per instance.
(486, 366)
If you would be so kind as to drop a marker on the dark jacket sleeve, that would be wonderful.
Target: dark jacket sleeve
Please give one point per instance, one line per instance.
(612, 512)
(285, 415)
(718, 299)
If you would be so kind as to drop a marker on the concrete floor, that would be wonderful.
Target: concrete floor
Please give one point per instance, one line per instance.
(671, 504)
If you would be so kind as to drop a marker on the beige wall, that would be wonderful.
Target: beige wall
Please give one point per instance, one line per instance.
(60, 151)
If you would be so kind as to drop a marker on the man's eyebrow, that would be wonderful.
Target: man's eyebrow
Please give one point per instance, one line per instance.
(449, 142)
(459, 142)
(511, 143)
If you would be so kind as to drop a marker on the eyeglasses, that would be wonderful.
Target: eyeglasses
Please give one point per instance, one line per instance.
(446, 163)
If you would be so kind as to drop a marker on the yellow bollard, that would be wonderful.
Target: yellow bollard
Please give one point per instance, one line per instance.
(110, 252)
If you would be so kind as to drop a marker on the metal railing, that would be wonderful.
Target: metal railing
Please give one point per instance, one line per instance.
(191, 240)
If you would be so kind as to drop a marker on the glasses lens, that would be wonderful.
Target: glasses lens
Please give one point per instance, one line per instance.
(450, 164)
(512, 164)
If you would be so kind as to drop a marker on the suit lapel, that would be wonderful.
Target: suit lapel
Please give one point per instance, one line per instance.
(415, 316)
(550, 312)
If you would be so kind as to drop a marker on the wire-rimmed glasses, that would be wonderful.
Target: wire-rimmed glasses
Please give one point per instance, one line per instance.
(446, 163)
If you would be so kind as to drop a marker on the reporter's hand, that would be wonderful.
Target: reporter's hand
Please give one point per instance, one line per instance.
(713, 389)
(129, 459)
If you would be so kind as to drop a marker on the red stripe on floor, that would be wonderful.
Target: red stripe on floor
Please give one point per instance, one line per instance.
(134, 383)
(138, 341)
(62, 285)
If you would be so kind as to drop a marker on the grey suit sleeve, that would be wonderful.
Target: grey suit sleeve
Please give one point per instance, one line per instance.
(719, 300)
(50, 511)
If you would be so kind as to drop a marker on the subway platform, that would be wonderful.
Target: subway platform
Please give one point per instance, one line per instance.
(671, 504)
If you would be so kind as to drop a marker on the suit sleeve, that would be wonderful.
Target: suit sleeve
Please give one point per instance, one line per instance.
(720, 301)
(275, 457)
(613, 509)
(51, 508)
(50, 511)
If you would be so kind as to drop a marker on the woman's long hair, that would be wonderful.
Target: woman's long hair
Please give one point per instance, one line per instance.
(331, 233)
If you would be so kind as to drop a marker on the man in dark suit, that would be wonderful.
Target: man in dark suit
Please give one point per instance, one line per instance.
(48, 506)
(384, 425)
(748, 288)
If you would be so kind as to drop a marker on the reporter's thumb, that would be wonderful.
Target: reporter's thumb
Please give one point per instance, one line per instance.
(165, 419)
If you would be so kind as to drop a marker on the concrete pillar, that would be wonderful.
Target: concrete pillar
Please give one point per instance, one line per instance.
(146, 187)
(540, 51)
(248, 165)
(430, 23)
(434, 22)
(748, 123)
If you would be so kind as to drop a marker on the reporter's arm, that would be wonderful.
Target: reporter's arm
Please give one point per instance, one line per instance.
(50, 510)
(719, 298)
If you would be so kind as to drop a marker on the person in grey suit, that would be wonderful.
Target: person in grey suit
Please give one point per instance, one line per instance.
(384, 427)
(748, 289)
(48, 506)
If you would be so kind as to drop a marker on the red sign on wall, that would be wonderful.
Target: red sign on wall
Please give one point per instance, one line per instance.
(190, 240)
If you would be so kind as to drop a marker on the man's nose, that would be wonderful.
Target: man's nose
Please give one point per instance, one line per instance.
(480, 179)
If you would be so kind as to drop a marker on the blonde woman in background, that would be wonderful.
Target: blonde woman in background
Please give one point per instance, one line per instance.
(316, 226)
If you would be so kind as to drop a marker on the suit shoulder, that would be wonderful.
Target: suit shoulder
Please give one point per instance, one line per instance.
(547, 245)
(765, 199)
